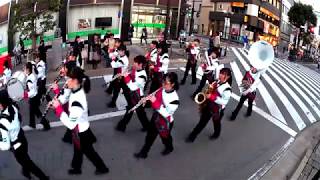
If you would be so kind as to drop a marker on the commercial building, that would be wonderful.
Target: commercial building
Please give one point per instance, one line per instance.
(236, 18)
(287, 33)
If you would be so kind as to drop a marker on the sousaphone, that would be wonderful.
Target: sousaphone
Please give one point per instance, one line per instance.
(261, 55)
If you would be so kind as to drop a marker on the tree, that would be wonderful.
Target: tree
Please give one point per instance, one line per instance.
(301, 15)
(32, 18)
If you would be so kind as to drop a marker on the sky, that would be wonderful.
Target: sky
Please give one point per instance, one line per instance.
(2, 2)
(314, 3)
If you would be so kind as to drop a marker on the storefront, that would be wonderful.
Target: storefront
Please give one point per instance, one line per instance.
(271, 33)
(153, 18)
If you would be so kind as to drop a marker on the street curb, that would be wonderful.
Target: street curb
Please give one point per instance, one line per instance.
(291, 164)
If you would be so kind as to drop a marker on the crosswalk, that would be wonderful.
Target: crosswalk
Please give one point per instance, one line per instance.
(288, 92)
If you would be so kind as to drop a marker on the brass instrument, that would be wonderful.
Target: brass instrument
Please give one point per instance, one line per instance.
(245, 85)
(201, 97)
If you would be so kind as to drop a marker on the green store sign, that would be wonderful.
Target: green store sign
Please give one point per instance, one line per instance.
(72, 35)
(3, 50)
(149, 25)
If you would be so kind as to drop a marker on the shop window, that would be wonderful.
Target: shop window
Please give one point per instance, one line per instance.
(270, 1)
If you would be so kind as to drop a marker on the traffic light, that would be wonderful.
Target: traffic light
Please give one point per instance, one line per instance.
(311, 29)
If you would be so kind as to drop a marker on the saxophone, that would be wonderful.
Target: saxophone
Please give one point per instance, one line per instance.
(201, 98)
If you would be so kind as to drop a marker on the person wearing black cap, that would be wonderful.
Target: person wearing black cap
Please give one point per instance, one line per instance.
(12, 137)
(77, 121)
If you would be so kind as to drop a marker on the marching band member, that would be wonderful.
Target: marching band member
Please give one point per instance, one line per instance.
(77, 121)
(250, 81)
(164, 102)
(64, 95)
(193, 51)
(216, 101)
(12, 137)
(119, 65)
(160, 68)
(6, 74)
(136, 82)
(151, 58)
(209, 69)
(34, 98)
(41, 68)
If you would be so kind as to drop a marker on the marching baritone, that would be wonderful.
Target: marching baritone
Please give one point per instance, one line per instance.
(12, 137)
(216, 100)
(160, 68)
(77, 121)
(193, 51)
(209, 69)
(119, 65)
(136, 82)
(250, 82)
(165, 102)
(32, 94)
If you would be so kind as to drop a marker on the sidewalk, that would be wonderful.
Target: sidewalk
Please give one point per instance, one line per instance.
(301, 161)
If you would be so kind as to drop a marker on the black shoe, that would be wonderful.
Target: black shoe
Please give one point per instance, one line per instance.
(67, 140)
(112, 105)
(74, 171)
(248, 114)
(166, 151)
(108, 91)
(32, 126)
(189, 139)
(102, 171)
(26, 174)
(214, 136)
(120, 128)
(46, 125)
(182, 82)
(140, 155)
(232, 118)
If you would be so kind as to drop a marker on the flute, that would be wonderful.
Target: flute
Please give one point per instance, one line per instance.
(143, 100)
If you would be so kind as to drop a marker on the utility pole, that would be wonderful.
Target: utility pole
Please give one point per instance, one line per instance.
(192, 19)
(167, 21)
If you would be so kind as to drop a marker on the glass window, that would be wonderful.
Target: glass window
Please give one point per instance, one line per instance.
(270, 1)
(278, 4)
(274, 3)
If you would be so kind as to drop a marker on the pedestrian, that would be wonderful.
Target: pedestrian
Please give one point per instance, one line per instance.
(164, 103)
(42, 51)
(120, 65)
(12, 137)
(144, 35)
(22, 46)
(160, 68)
(193, 54)
(135, 81)
(77, 121)
(96, 48)
(217, 44)
(31, 93)
(77, 49)
(130, 33)
(249, 85)
(213, 107)
(245, 42)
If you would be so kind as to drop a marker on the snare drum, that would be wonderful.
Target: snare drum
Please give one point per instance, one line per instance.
(15, 86)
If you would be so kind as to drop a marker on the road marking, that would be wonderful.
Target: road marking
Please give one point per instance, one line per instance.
(300, 82)
(93, 118)
(259, 111)
(274, 159)
(267, 98)
(300, 73)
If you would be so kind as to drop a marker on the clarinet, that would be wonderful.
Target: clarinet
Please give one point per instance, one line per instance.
(57, 79)
(44, 114)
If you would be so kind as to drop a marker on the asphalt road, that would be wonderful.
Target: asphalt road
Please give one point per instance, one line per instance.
(244, 147)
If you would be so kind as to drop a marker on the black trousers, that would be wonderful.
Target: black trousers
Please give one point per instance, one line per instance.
(86, 148)
(34, 104)
(205, 77)
(132, 101)
(240, 104)
(189, 66)
(22, 157)
(152, 135)
(206, 115)
(145, 39)
(115, 87)
(42, 87)
(156, 81)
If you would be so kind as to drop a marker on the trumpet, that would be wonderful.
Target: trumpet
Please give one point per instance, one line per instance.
(143, 100)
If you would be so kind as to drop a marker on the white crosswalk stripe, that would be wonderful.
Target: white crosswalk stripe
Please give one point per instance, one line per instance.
(298, 100)
(271, 105)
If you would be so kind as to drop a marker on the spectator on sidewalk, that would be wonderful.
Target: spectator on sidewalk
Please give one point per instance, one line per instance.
(22, 46)
(216, 44)
(245, 42)
(42, 51)
(144, 35)
(77, 48)
(130, 33)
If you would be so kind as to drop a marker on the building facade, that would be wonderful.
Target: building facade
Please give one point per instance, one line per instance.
(4, 17)
(287, 33)
(258, 19)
